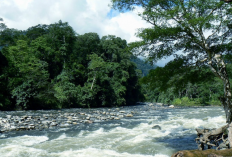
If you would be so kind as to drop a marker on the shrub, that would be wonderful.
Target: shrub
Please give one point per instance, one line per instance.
(214, 102)
(176, 101)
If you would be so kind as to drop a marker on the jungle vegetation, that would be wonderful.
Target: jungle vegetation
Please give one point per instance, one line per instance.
(51, 66)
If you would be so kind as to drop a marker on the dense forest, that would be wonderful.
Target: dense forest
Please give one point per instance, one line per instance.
(51, 66)
(183, 85)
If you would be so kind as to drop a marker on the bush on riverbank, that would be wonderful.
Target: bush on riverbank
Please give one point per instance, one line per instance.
(185, 101)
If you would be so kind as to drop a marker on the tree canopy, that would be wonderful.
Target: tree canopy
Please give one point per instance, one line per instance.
(198, 32)
(51, 66)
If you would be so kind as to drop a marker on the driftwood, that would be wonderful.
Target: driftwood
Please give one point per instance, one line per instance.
(214, 138)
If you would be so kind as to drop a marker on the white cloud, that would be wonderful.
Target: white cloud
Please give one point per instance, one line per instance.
(127, 25)
(83, 15)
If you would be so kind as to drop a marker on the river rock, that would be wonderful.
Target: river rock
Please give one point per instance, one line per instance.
(31, 127)
(22, 127)
(53, 124)
(88, 121)
(70, 117)
(129, 115)
(157, 127)
(69, 121)
(40, 121)
(64, 125)
(171, 106)
(46, 122)
(120, 116)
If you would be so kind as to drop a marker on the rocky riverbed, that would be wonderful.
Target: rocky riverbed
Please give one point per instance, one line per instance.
(39, 120)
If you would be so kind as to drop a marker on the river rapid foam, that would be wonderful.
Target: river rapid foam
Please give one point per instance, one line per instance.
(127, 137)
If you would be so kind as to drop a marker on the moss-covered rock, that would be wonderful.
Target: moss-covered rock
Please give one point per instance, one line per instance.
(204, 153)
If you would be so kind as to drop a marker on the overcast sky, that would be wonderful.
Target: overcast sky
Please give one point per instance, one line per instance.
(83, 15)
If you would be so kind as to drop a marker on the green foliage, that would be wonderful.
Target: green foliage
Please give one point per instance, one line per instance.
(185, 101)
(171, 85)
(50, 66)
(65, 91)
(177, 101)
(215, 102)
(30, 73)
(181, 26)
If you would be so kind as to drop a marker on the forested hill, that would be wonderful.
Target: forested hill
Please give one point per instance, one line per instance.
(142, 65)
(51, 66)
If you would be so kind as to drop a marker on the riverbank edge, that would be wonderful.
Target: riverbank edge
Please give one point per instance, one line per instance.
(203, 153)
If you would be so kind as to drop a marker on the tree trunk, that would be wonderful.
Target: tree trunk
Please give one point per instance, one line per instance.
(221, 72)
(93, 81)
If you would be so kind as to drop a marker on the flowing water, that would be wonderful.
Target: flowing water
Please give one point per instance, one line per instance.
(128, 137)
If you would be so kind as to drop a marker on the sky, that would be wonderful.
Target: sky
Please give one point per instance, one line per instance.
(83, 16)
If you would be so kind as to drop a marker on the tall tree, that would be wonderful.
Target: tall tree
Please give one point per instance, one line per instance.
(200, 29)
(5, 97)
(27, 74)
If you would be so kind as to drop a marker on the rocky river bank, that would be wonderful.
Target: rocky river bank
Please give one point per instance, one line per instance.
(39, 120)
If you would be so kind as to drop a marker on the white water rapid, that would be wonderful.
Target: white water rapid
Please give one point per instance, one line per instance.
(128, 137)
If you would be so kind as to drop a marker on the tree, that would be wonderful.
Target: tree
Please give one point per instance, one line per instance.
(5, 97)
(201, 30)
(60, 38)
(111, 77)
(27, 74)
(2, 25)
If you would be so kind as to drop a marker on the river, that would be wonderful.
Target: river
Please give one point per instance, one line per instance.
(127, 137)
